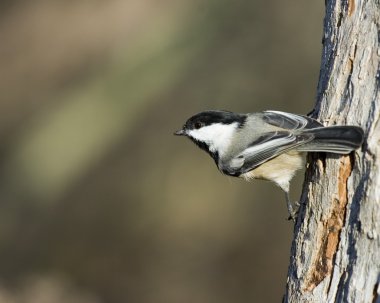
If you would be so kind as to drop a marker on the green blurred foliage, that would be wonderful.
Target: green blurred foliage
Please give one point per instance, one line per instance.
(99, 202)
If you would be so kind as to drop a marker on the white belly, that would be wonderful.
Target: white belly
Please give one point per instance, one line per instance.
(279, 170)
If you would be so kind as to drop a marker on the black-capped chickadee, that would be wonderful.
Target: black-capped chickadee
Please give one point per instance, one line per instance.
(267, 145)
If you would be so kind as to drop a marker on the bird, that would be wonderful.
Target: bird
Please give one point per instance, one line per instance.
(268, 145)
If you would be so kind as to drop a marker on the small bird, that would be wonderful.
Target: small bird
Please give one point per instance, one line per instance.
(268, 145)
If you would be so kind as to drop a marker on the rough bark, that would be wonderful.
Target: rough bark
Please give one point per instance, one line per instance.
(335, 255)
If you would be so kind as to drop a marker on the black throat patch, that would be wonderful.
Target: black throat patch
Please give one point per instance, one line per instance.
(206, 148)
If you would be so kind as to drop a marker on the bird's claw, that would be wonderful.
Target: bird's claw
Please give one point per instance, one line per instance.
(293, 214)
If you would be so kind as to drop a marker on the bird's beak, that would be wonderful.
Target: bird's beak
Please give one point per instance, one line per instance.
(180, 132)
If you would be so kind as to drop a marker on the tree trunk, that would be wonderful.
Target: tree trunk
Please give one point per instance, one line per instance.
(335, 254)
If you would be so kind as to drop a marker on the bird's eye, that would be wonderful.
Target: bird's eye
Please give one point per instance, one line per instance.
(198, 125)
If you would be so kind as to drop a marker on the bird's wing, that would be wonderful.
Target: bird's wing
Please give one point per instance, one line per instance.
(263, 149)
(289, 121)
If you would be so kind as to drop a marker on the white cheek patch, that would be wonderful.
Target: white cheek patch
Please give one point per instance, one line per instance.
(218, 136)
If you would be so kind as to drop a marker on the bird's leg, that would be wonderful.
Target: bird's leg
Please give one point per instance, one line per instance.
(292, 213)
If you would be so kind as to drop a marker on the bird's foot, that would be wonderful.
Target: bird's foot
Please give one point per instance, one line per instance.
(293, 216)
(293, 213)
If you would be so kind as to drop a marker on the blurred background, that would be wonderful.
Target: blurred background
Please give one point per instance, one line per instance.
(99, 202)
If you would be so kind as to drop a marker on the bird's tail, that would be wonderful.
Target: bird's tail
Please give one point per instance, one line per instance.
(334, 139)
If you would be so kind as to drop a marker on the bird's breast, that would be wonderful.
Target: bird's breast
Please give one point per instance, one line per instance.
(279, 170)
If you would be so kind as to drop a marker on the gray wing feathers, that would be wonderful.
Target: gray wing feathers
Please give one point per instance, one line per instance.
(289, 121)
(256, 156)
(260, 152)
(334, 139)
(295, 132)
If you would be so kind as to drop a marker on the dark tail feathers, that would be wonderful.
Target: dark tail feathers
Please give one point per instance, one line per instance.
(334, 139)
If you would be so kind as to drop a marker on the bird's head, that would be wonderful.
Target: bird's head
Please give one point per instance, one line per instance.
(212, 130)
